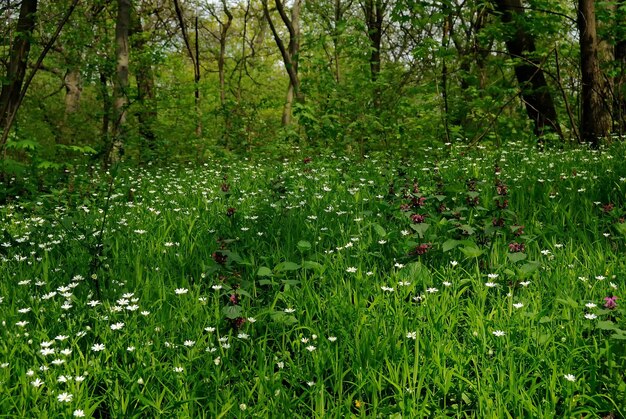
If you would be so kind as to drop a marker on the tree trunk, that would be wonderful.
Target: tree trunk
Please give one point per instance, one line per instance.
(294, 49)
(120, 86)
(290, 54)
(73, 91)
(619, 81)
(535, 91)
(16, 71)
(107, 106)
(595, 120)
(147, 111)
(374, 16)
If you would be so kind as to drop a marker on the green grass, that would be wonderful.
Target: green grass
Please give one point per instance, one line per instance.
(313, 298)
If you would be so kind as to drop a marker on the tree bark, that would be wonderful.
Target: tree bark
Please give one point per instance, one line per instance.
(18, 62)
(120, 85)
(595, 122)
(374, 11)
(147, 111)
(535, 90)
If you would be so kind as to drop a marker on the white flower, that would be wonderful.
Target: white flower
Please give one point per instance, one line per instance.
(590, 305)
(189, 343)
(498, 333)
(280, 364)
(454, 263)
(243, 335)
(117, 326)
(332, 338)
(65, 397)
(310, 348)
(518, 305)
(180, 291)
(351, 269)
(251, 319)
(431, 290)
(570, 377)
(491, 284)
(216, 287)
(178, 369)
(289, 310)
(590, 316)
(79, 413)
(37, 383)
(492, 276)
(98, 347)
(411, 335)
(217, 360)
(243, 406)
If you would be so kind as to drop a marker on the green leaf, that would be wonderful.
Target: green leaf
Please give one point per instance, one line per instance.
(309, 264)
(379, 230)
(286, 266)
(569, 301)
(232, 312)
(529, 268)
(304, 245)
(415, 271)
(264, 271)
(420, 229)
(449, 245)
(471, 252)
(606, 325)
(516, 257)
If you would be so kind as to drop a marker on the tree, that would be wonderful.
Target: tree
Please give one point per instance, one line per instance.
(374, 11)
(18, 62)
(528, 69)
(194, 56)
(289, 54)
(120, 85)
(147, 110)
(595, 122)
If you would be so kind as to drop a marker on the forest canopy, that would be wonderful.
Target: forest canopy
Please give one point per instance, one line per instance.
(183, 80)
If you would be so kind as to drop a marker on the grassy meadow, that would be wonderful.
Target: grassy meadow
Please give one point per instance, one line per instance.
(453, 282)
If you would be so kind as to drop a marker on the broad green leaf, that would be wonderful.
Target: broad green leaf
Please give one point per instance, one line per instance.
(420, 229)
(529, 268)
(516, 257)
(415, 271)
(287, 266)
(471, 252)
(264, 271)
(379, 230)
(232, 312)
(449, 245)
(309, 264)
(304, 245)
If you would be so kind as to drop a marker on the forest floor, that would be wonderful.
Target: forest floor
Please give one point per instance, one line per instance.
(484, 283)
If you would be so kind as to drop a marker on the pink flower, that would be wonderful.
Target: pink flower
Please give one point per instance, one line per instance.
(610, 302)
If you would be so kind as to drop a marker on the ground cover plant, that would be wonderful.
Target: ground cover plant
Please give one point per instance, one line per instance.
(456, 282)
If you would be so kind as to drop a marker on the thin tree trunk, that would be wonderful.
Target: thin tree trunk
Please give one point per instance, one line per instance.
(619, 81)
(290, 54)
(107, 107)
(18, 63)
(535, 90)
(120, 85)
(595, 119)
(195, 60)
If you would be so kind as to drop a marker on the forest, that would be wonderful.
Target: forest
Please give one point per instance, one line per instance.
(312, 208)
(112, 78)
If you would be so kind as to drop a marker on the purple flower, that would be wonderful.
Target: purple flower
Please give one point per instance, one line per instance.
(610, 302)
